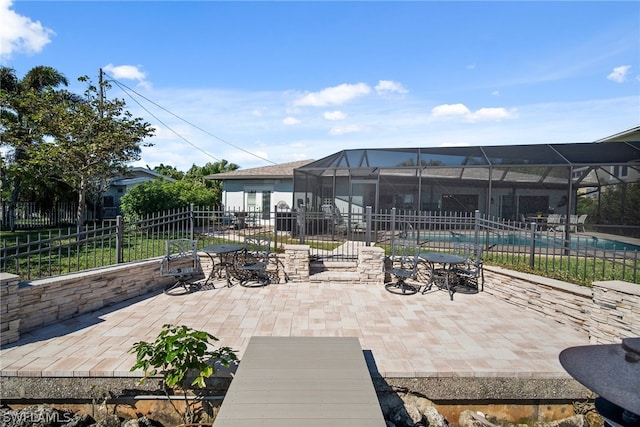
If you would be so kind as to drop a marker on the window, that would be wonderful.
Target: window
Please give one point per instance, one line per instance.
(532, 205)
(251, 201)
(266, 204)
(108, 202)
(620, 171)
(459, 202)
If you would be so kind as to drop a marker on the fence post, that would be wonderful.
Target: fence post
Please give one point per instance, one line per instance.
(393, 225)
(532, 248)
(191, 220)
(302, 221)
(119, 238)
(275, 226)
(476, 237)
(367, 235)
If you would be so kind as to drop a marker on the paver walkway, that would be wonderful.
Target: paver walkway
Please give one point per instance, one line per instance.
(301, 381)
(476, 335)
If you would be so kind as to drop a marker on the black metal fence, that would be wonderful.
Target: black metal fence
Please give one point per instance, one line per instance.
(568, 255)
(30, 215)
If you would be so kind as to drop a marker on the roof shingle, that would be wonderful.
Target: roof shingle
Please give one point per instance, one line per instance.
(283, 170)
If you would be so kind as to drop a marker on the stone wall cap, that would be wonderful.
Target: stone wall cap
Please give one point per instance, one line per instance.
(370, 249)
(7, 277)
(566, 286)
(87, 273)
(619, 285)
(296, 247)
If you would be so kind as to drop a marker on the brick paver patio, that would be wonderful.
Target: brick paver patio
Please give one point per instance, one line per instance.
(476, 335)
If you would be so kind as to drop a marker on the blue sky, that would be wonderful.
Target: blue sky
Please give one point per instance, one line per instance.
(256, 83)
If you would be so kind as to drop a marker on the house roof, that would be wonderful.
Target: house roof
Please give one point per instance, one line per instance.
(136, 175)
(280, 171)
(632, 134)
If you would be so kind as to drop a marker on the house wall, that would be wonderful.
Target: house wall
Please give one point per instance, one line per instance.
(115, 191)
(234, 193)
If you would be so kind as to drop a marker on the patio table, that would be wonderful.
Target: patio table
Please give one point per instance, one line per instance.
(224, 251)
(447, 261)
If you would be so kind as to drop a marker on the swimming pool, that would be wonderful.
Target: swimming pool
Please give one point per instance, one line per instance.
(516, 239)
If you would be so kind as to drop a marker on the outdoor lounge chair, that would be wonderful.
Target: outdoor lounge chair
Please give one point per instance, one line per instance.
(581, 220)
(554, 222)
(573, 223)
(401, 266)
(181, 262)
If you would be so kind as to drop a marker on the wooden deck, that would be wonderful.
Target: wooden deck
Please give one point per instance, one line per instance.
(301, 381)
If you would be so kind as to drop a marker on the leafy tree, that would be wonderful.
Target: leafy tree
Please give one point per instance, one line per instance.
(169, 171)
(19, 102)
(198, 173)
(93, 139)
(162, 195)
(618, 205)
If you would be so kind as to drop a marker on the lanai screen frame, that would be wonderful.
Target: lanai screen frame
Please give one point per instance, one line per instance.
(485, 170)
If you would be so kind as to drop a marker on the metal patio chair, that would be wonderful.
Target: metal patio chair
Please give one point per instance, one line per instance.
(181, 262)
(401, 266)
(470, 273)
(250, 266)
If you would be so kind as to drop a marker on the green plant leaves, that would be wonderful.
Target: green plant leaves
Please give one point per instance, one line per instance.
(178, 352)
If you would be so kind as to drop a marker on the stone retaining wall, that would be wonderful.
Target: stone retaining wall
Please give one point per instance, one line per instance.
(608, 312)
(30, 305)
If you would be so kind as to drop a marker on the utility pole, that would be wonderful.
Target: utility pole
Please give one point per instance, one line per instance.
(101, 92)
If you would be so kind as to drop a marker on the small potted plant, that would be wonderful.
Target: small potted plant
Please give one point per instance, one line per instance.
(178, 354)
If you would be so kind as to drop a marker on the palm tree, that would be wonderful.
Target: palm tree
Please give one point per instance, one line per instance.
(18, 100)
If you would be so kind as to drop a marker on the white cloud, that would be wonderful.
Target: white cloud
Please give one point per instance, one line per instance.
(462, 111)
(19, 34)
(334, 115)
(446, 110)
(495, 93)
(128, 72)
(290, 121)
(619, 74)
(385, 87)
(336, 95)
(490, 114)
(341, 130)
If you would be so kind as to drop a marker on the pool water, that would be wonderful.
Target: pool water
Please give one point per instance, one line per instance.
(543, 240)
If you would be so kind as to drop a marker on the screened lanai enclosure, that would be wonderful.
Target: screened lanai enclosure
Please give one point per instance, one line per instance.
(509, 182)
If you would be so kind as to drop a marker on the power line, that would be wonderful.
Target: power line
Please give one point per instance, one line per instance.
(122, 86)
(167, 126)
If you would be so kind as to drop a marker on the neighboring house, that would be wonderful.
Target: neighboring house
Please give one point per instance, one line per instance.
(615, 174)
(623, 173)
(258, 189)
(123, 183)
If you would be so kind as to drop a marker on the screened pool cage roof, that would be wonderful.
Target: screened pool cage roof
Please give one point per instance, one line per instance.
(589, 164)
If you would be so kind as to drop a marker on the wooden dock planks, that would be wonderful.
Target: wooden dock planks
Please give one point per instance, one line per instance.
(301, 381)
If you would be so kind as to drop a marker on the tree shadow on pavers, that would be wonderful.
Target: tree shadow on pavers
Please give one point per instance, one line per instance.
(76, 322)
(393, 401)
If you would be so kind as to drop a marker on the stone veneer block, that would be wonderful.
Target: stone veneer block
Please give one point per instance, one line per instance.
(296, 262)
(616, 311)
(370, 265)
(9, 308)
